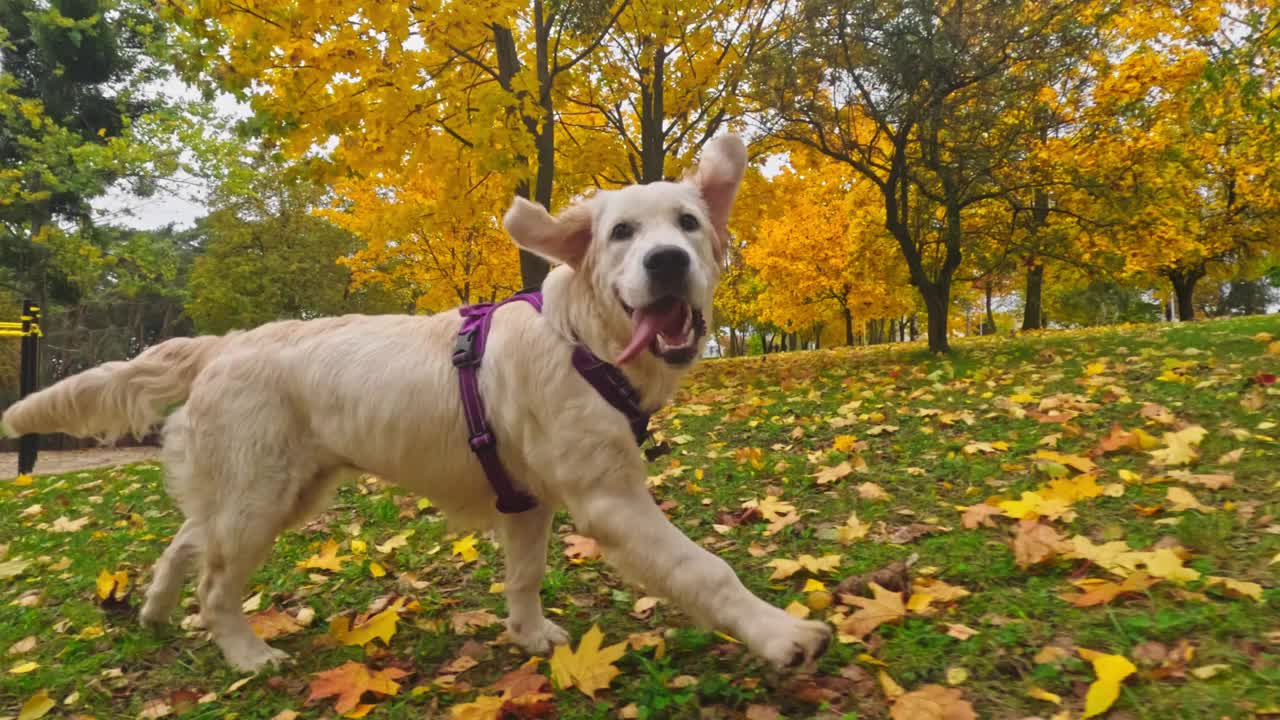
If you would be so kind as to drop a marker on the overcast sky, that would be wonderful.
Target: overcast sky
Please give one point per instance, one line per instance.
(177, 203)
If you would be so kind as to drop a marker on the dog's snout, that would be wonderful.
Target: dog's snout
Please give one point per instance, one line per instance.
(668, 267)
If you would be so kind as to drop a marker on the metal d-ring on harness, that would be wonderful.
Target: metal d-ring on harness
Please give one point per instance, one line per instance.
(468, 352)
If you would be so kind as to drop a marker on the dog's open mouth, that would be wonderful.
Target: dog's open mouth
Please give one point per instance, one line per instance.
(669, 328)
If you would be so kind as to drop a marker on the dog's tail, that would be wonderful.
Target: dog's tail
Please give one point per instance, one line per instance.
(116, 398)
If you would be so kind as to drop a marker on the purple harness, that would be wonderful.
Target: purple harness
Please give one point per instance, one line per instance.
(468, 351)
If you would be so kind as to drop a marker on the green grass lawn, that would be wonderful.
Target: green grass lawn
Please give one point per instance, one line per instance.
(934, 436)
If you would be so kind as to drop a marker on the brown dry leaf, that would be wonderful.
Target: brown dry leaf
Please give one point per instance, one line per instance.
(979, 514)
(273, 623)
(1035, 543)
(886, 606)
(893, 576)
(831, 474)
(1101, 592)
(464, 623)
(349, 681)
(1232, 457)
(872, 491)
(581, 547)
(763, 712)
(1213, 481)
(939, 590)
(960, 632)
(1180, 499)
(26, 644)
(933, 702)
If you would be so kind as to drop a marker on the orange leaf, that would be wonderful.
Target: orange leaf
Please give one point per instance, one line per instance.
(886, 606)
(349, 681)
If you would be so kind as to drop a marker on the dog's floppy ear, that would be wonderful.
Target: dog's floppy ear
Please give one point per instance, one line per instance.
(717, 177)
(563, 238)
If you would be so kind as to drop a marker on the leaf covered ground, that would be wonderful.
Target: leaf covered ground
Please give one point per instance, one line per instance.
(1073, 524)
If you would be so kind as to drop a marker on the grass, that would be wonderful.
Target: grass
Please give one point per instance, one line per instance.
(743, 429)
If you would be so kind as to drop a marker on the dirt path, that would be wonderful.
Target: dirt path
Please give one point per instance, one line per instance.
(54, 462)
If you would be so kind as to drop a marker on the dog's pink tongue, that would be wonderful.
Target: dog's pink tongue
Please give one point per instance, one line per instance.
(646, 323)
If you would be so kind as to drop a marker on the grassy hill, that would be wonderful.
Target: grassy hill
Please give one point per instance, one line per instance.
(1021, 503)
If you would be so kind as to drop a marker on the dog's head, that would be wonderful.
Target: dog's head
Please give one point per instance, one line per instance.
(652, 252)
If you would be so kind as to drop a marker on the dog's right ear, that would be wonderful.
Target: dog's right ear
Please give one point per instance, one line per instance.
(563, 238)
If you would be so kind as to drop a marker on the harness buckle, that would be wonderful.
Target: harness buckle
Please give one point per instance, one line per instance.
(481, 441)
(464, 349)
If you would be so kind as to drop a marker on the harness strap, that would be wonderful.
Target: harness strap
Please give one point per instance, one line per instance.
(468, 352)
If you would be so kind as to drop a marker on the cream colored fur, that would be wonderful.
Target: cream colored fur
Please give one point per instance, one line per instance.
(271, 419)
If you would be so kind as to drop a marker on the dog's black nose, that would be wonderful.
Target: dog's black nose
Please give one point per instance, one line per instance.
(668, 268)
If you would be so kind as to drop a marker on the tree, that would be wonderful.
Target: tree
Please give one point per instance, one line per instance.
(72, 123)
(431, 236)
(267, 257)
(374, 79)
(1178, 157)
(926, 100)
(669, 77)
(823, 251)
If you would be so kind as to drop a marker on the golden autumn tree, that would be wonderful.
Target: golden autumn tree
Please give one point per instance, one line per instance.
(431, 235)
(927, 101)
(1180, 166)
(668, 77)
(367, 82)
(823, 252)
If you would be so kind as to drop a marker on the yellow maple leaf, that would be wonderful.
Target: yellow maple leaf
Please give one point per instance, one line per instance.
(852, 530)
(1110, 670)
(589, 668)
(112, 584)
(466, 548)
(1078, 463)
(1180, 447)
(817, 565)
(484, 707)
(886, 606)
(1167, 564)
(327, 559)
(1180, 500)
(381, 626)
(783, 568)
(1237, 587)
(844, 443)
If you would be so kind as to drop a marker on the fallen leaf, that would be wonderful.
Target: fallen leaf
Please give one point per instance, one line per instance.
(960, 632)
(13, 567)
(886, 606)
(1180, 447)
(979, 514)
(1204, 672)
(1239, 588)
(1213, 481)
(112, 585)
(65, 525)
(933, 702)
(1100, 592)
(463, 623)
(1110, 670)
(831, 474)
(24, 667)
(26, 644)
(1180, 499)
(398, 540)
(581, 547)
(852, 530)
(1040, 694)
(872, 491)
(36, 706)
(590, 667)
(465, 548)
(273, 623)
(365, 629)
(326, 559)
(349, 681)
(1036, 542)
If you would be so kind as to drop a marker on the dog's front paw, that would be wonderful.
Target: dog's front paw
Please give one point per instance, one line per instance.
(537, 638)
(254, 657)
(792, 642)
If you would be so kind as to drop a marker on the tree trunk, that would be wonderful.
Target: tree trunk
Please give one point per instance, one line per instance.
(533, 269)
(989, 326)
(848, 325)
(1184, 287)
(653, 117)
(1033, 312)
(936, 301)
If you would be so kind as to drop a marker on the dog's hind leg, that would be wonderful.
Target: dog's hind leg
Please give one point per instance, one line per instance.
(524, 541)
(235, 549)
(170, 574)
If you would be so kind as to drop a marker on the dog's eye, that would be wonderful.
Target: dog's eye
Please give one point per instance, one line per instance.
(688, 222)
(622, 231)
